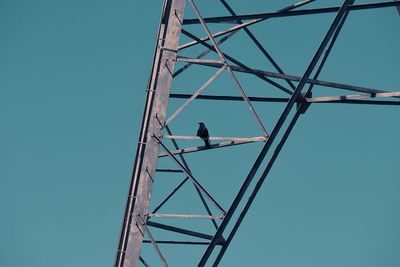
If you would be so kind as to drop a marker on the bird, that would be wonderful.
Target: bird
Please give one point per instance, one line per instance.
(202, 132)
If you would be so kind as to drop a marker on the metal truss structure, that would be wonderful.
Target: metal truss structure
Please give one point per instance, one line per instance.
(157, 141)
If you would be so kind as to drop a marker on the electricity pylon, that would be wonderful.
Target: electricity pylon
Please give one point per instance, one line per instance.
(157, 141)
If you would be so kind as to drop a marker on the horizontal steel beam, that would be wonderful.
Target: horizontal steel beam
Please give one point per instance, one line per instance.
(323, 10)
(350, 97)
(202, 148)
(168, 170)
(237, 139)
(285, 100)
(199, 60)
(232, 98)
(363, 102)
(185, 216)
(173, 242)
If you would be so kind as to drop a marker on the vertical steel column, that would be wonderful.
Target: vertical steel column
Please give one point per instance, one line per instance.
(148, 148)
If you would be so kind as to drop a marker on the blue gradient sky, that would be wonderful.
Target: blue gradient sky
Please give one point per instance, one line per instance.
(73, 77)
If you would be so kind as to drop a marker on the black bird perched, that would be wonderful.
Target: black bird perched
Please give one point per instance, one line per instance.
(202, 132)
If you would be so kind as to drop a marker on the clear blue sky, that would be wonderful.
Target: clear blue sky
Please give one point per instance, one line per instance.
(73, 77)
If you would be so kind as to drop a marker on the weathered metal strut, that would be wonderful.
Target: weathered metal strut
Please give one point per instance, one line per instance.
(148, 149)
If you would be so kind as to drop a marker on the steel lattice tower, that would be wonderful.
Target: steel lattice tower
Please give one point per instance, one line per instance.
(157, 141)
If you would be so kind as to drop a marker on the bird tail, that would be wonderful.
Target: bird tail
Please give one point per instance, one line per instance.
(207, 143)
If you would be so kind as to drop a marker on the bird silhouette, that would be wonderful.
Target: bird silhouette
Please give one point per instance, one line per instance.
(202, 132)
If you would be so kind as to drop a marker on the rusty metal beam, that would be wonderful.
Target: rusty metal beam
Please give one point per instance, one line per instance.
(140, 189)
